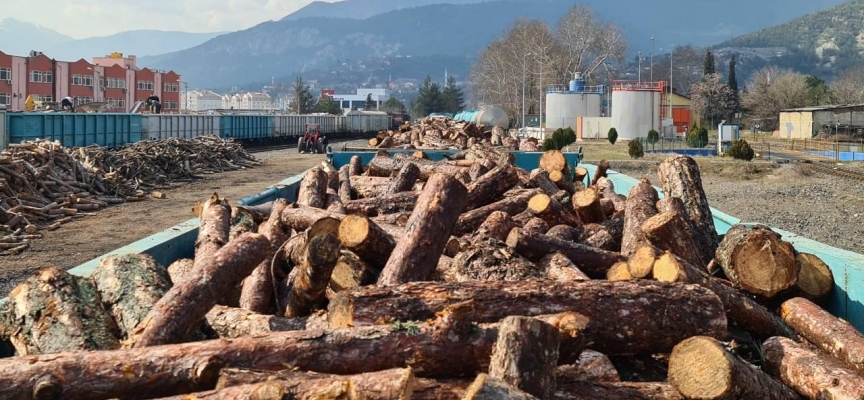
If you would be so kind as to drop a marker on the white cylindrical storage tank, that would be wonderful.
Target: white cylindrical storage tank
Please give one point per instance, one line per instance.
(634, 113)
(492, 116)
(562, 109)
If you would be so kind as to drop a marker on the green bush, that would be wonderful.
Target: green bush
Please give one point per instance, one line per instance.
(697, 137)
(569, 136)
(634, 148)
(653, 136)
(741, 150)
(549, 144)
(612, 136)
(562, 138)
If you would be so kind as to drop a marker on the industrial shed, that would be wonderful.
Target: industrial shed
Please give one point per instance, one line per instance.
(822, 122)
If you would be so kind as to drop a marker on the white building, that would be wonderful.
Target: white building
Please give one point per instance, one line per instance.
(203, 100)
(256, 101)
(230, 102)
(358, 101)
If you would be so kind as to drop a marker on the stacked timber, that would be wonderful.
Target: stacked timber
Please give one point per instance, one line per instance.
(44, 185)
(467, 278)
(439, 133)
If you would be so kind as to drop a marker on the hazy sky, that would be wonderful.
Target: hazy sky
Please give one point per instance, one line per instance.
(85, 18)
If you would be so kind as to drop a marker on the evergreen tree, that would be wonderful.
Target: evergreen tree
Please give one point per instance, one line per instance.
(393, 106)
(326, 104)
(817, 91)
(428, 100)
(369, 104)
(302, 102)
(709, 67)
(452, 99)
(732, 80)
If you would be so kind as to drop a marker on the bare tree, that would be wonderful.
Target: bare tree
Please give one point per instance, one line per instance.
(713, 99)
(587, 42)
(686, 65)
(770, 90)
(848, 88)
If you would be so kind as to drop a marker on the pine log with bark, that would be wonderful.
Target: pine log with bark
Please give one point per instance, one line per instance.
(368, 240)
(355, 166)
(526, 355)
(179, 269)
(491, 186)
(579, 175)
(811, 373)
(488, 261)
(486, 387)
(602, 240)
(430, 389)
(680, 177)
(535, 226)
(641, 263)
(565, 232)
(539, 178)
(416, 254)
(368, 186)
(608, 207)
(257, 293)
(215, 227)
(591, 366)
(619, 272)
(497, 226)
(815, 279)
(477, 171)
(691, 310)
(551, 211)
(345, 184)
(757, 260)
(602, 168)
(54, 311)
(313, 276)
(513, 203)
(639, 207)
(232, 323)
(607, 191)
(592, 261)
(404, 180)
(829, 333)
(669, 231)
(384, 204)
(351, 272)
(559, 268)
(313, 189)
(586, 203)
(703, 368)
(582, 390)
(384, 385)
(180, 310)
(129, 286)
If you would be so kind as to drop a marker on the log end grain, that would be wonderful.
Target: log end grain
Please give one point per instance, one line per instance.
(619, 272)
(757, 260)
(815, 279)
(641, 263)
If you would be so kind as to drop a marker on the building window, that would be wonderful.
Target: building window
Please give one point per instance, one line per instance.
(172, 87)
(121, 103)
(5, 99)
(35, 76)
(48, 98)
(5, 74)
(112, 83)
(48, 77)
(121, 83)
(88, 80)
(145, 85)
(77, 80)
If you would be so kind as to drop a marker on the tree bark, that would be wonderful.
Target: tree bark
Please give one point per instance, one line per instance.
(602, 168)
(257, 293)
(559, 268)
(607, 191)
(485, 261)
(355, 166)
(54, 311)
(811, 373)
(497, 226)
(177, 313)
(540, 179)
(129, 286)
(702, 368)
(566, 233)
(608, 207)
(320, 257)
(757, 260)
(587, 205)
(404, 180)
(563, 181)
(638, 208)
(831, 334)
(345, 184)
(526, 355)
(491, 186)
(477, 171)
(741, 310)
(512, 204)
(591, 366)
(430, 226)
(384, 204)
(232, 323)
(535, 226)
(368, 186)
(430, 389)
(300, 218)
(485, 387)
(669, 231)
(383, 385)
(351, 272)
(313, 189)
(592, 261)
(215, 226)
(581, 390)
(551, 211)
(366, 239)
(815, 279)
(602, 240)
(680, 177)
(697, 311)
(385, 166)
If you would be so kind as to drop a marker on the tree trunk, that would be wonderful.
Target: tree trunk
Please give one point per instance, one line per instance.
(815, 279)
(367, 240)
(313, 189)
(640, 206)
(300, 218)
(831, 334)
(697, 310)
(608, 207)
(607, 191)
(177, 313)
(215, 226)
(566, 233)
(619, 272)
(232, 323)
(579, 175)
(368, 186)
(384, 204)
(551, 211)
(559, 268)
(526, 355)
(404, 180)
(430, 226)
(486, 261)
(741, 310)
(54, 311)
(257, 294)
(430, 389)
(581, 390)
(680, 177)
(591, 366)
(813, 374)
(563, 181)
(485, 387)
(351, 272)
(491, 186)
(602, 168)
(535, 226)
(592, 261)
(129, 286)
(669, 231)
(755, 259)
(513, 203)
(319, 259)
(702, 368)
(344, 190)
(497, 226)
(477, 170)
(602, 240)
(540, 179)
(355, 166)
(587, 205)
(554, 160)
(384, 385)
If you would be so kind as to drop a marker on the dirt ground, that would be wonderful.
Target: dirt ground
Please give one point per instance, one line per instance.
(114, 227)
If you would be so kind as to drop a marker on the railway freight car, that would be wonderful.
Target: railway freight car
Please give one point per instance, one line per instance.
(367, 121)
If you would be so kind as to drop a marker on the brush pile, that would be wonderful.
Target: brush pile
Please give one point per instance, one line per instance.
(468, 278)
(439, 133)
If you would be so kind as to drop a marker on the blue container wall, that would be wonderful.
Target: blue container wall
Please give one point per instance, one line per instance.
(76, 130)
(247, 126)
(844, 155)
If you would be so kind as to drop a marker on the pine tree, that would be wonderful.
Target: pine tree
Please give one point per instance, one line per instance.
(428, 100)
(710, 67)
(302, 102)
(393, 106)
(326, 104)
(369, 104)
(733, 81)
(452, 100)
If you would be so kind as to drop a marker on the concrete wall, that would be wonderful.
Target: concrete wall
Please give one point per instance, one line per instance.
(800, 122)
(595, 127)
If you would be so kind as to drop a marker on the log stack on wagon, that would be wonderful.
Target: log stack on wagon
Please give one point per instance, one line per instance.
(407, 278)
(441, 133)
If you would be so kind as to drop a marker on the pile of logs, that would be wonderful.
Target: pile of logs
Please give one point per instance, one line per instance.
(442, 133)
(469, 278)
(44, 185)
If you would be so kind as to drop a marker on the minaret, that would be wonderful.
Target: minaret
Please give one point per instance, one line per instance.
(445, 76)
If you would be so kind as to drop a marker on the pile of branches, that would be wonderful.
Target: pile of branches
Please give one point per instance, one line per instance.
(442, 133)
(469, 278)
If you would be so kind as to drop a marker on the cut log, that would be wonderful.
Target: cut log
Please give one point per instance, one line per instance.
(430, 389)
(554, 160)
(619, 272)
(215, 227)
(313, 189)
(497, 226)
(300, 218)
(829, 333)
(526, 355)
(602, 240)
(563, 181)
(566, 233)
(179, 269)
(680, 177)
(380, 385)
(486, 387)
(345, 184)
(464, 177)
(177, 313)
(355, 166)
(582, 390)
(54, 311)
(490, 261)
(430, 226)
(559, 268)
(351, 272)
(385, 204)
(608, 207)
(232, 323)
(257, 293)
(641, 262)
(512, 204)
(586, 203)
(477, 170)
(405, 179)
(591, 366)
(535, 226)
(319, 259)
(368, 186)
(399, 220)
(551, 211)
(366, 239)
(602, 168)
(579, 175)
(697, 311)
(540, 179)
(453, 247)
(491, 186)
(815, 279)
(702, 368)
(669, 231)
(755, 259)
(640, 206)
(129, 286)
(741, 310)
(592, 261)
(811, 373)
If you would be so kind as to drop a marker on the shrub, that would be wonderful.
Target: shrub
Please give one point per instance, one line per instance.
(634, 148)
(698, 138)
(569, 136)
(741, 150)
(549, 144)
(653, 136)
(612, 136)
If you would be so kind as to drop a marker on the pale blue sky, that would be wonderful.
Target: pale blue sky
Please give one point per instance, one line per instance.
(85, 18)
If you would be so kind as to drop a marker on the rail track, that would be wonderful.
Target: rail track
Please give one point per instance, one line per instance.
(833, 170)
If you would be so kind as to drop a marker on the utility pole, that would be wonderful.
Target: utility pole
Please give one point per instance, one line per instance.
(523, 93)
(640, 68)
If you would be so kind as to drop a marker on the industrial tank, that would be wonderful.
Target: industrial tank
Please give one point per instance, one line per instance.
(634, 113)
(566, 103)
(487, 116)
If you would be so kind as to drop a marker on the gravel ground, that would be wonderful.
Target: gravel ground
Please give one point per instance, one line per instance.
(823, 208)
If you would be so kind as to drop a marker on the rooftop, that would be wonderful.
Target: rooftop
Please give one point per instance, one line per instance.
(845, 107)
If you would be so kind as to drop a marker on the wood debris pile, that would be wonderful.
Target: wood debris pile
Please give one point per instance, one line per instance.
(441, 133)
(44, 185)
(461, 279)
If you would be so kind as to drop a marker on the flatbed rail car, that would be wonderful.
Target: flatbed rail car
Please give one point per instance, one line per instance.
(845, 300)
